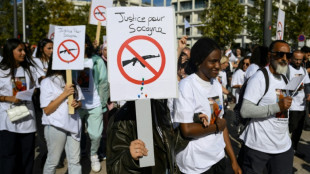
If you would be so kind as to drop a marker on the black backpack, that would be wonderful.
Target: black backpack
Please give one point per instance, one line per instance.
(243, 122)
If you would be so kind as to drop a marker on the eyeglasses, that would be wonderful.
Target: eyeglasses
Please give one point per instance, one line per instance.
(280, 54)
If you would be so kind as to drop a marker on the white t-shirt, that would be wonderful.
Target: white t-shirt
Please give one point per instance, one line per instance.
(299, 100)
(197, 95)
(41, 67)
(222, 78)
(251, 70)
(237, 79)
(51, 88)
(27, 124)
(268, 135)
(86, 81)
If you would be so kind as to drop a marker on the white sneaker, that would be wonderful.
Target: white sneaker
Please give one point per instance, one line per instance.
(95, 164)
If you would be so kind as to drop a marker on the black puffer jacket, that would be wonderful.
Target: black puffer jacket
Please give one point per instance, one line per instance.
(122, 130)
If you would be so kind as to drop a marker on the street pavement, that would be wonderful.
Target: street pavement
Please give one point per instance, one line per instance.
(301, 166)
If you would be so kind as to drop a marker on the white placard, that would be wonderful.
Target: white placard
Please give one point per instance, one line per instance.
(25, 95)
(98, 11)
(280, 25)
(51, 32)
(141, 50)
(294, 84)
(68, 49)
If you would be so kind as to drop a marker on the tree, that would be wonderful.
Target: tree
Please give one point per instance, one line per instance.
(223, 21)
(254, 21)
(297, 21)
(6, 21)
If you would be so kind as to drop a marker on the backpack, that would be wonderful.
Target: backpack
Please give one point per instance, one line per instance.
(243, 122)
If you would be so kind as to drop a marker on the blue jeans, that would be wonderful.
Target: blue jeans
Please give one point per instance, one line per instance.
(56, 140)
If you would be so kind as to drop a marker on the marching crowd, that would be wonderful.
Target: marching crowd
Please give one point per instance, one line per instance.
(190, 132)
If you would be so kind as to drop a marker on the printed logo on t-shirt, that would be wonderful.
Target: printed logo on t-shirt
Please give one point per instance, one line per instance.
(216, 108)
(297, 75)
(280, 95)
(83, 79)
(19, 85)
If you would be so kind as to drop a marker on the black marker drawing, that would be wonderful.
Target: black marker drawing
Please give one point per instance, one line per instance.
(134, 60)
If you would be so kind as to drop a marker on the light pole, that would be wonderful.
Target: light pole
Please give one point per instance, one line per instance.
(267, 23)
(15, 19)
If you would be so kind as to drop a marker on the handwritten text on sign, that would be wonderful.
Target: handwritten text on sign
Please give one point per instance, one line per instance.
(68, 48)
(145, 24)
(142, 58)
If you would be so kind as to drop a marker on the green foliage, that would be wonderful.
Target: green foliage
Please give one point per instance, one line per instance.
(223, 21)
(297, 22)
(254, 21)
(6, 21)
(39, 14)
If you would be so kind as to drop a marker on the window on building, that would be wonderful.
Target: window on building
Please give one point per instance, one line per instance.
(146, 2)
(186, 5)
(241, 1)
(158, 3)
(188, 31)
(175, 6)
(168, 2)
(251, 2)
(200, 4)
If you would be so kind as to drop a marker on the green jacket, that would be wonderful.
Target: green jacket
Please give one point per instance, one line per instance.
(100, 74)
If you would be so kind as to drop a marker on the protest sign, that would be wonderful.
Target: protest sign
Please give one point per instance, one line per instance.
(142, 58)
(280, 25)
(98, 11)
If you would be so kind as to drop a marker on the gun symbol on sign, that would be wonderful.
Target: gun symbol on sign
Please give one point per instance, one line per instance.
(99, 13)
(134, 60)
(65, 51)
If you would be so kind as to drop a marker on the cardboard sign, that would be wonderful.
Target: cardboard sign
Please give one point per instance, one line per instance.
(142, 59)
(280, 25)
(68, 48)
(98, 11)
(51, 32)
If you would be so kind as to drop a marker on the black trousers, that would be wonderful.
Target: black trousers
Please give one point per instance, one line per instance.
(296, 124)
(255, 161)
(16, 152)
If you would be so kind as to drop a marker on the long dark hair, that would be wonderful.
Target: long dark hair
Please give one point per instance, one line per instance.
(260, 56)
(89, 50)
(50, 72)
(199, 52)
(41, 45)
(8, 61)
(241, 63)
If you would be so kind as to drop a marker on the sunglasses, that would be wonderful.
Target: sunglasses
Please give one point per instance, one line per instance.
(247, 64)
(280, 54)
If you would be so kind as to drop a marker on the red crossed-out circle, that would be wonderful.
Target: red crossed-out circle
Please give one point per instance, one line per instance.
(62, 44)
(52, 36)
(97, 10)
(147, 65)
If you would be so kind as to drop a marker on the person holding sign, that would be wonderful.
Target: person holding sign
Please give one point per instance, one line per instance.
(124, 148)
(297, 111)
(201, 94)
(17, 75)
(43, 55)
(94, 83)
(266, 138)
(61, 130)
